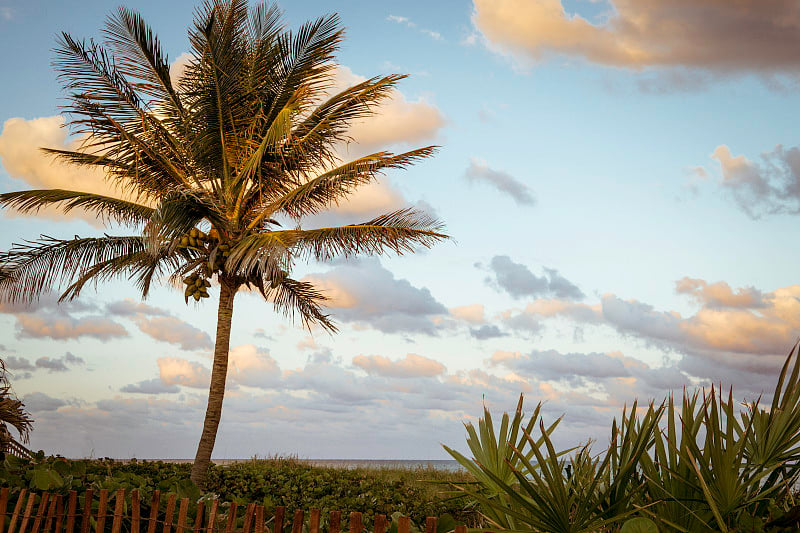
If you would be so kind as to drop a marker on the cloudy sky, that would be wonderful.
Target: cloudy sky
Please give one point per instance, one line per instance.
(621, 179)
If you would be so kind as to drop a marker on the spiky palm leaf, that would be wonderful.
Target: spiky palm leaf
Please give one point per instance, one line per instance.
(248, 134)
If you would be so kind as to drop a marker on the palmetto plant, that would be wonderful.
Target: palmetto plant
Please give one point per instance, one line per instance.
(698, 464)
(208, 167)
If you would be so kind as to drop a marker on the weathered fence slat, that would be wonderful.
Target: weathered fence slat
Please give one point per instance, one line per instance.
(259, 519)
(72, 509)
(248, 517)
(182, 515)
(51, 512)
(404, 524)
(37, 522)
(313, 522)
(231, 518)
(155, 503)
(102, 511)
(59, 514)
(27, 514)
(3, 505)
(170, 512)
(430, 524)
(280, 512)
(333, 526)
(379, 524)
(355, 522)
(212, 516)
(87, 511)
(135, 510)
(198, 517)
(119, 508)
(297, 521)
(17, 509)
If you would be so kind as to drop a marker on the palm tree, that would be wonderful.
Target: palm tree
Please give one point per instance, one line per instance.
(207, 167)
(12, 413)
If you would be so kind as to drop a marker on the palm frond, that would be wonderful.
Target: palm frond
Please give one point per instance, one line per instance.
(398, 232)
(106, 208)
(300, 298)
(141, 57)
(333, 186)
(36, 267)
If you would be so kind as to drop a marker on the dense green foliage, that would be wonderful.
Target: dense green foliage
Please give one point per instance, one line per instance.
(297, 485)
(702, 463)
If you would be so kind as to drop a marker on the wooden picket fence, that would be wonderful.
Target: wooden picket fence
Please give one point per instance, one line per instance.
(57, 514)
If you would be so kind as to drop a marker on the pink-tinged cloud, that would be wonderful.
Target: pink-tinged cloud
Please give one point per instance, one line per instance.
(473, 314)
(177, 371)
(720, 294)
(253, 367)
(715, 35)
(411, 366)
(64, 327)
(174, 331)
(770, 329)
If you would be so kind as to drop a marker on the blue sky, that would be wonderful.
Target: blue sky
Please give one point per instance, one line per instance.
(621, 181)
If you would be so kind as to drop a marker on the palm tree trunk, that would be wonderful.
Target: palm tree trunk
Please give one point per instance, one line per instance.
(216, 391)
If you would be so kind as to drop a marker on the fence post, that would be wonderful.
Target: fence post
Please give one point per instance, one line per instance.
(297, 522)
(198, 517)
(72, 510)
(380, 523)
(119, 508)
(170, 513)
(51, 511)
(355, 522)
(17, 509)
(403, 525)
(3, 505)
(212, 516)
(280, 512)
(27, 514)
(313, 522)
(37, 522)
(59, 514)
(231, 518)
(334, 522)
(182, 512)
(259, 519)
(101, 511)
(430, 524)
(155, 503)
(248, 517)
(135, 517)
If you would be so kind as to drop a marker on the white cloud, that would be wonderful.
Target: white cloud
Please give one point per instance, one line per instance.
(504, 182)
(364, 292)
(20, 144)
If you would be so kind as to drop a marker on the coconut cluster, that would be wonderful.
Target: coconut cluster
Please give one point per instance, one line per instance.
(196, 286)
(198, 282)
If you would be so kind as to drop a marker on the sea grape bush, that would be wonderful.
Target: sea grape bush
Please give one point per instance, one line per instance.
(274, 482)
